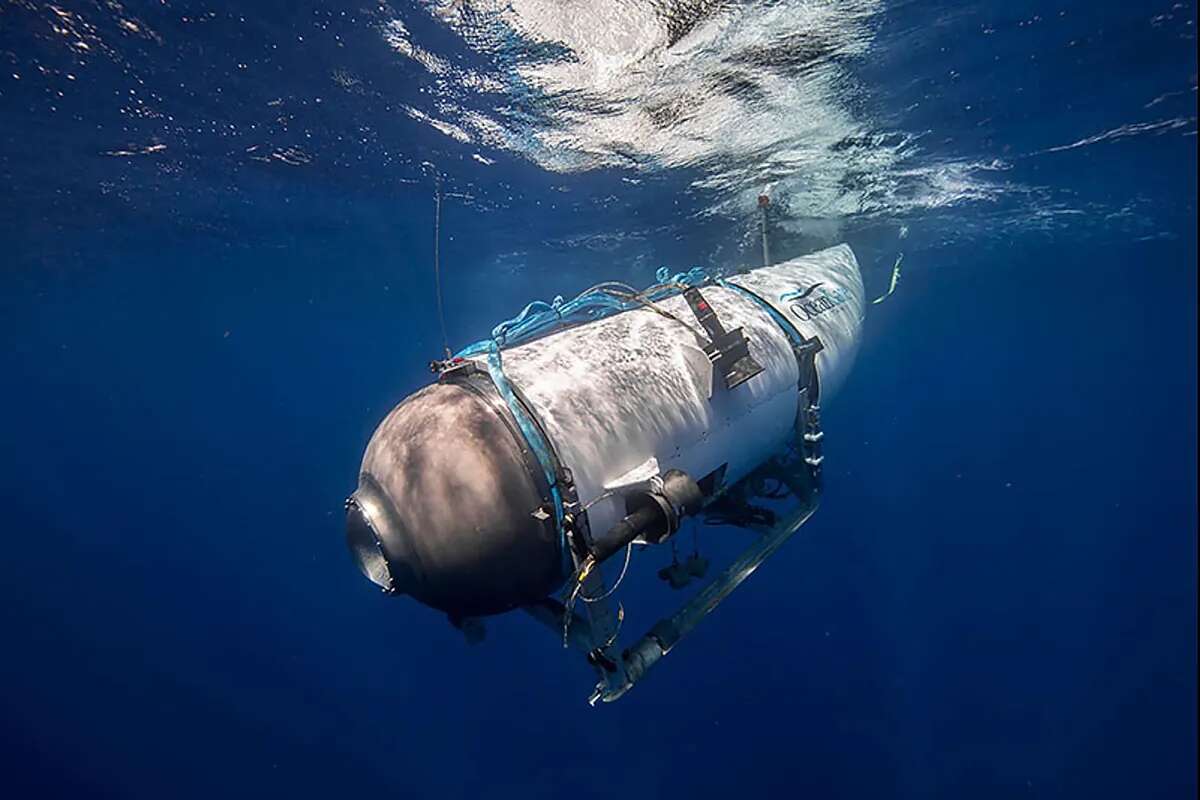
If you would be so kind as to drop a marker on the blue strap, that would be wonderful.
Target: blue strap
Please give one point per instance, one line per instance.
(792, 332)
(533, 436)
(539, 318)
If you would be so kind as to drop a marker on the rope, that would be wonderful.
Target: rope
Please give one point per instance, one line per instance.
(581, 575)
(621, 577)
(437, 267)
(617, 630)
(602, 300)
(646, 303)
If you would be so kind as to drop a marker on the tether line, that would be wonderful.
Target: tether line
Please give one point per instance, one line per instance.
(437, 267)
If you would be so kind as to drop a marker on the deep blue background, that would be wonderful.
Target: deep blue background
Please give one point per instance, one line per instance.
(997, 599)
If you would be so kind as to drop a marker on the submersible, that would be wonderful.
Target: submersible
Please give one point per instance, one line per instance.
(581, 430)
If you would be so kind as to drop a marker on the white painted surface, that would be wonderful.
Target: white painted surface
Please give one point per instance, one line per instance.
(836, 281)
(613, 393)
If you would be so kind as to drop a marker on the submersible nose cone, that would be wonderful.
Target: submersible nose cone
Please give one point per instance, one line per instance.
(448, 505)
(366, 516)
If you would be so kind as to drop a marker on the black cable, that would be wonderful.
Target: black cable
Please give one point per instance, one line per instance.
(437, 267)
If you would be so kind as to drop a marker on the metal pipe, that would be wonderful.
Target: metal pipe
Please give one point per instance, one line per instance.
(650, 649)
(764, 202)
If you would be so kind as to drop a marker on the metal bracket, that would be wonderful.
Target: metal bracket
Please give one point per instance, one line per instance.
(729, 351)
(809, 435)
(451, 368)
(595, 632)
(667, 632)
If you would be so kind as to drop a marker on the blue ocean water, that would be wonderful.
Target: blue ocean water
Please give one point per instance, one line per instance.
(218, 226)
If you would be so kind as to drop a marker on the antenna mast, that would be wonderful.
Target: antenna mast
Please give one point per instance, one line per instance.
(437, 267)
(763, 203)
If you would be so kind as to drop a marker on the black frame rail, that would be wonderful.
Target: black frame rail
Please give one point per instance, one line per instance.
(620, 672)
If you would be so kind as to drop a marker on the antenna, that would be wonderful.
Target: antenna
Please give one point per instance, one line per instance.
(437, 267)
(763, 203)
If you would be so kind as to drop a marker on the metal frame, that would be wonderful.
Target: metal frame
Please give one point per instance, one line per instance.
(619, 670)
(597, 635)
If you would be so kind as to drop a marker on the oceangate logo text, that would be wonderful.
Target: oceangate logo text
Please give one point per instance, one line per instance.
(806, 304)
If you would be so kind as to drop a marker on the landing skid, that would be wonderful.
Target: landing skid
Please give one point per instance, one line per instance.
(620, 670)
(596, 632)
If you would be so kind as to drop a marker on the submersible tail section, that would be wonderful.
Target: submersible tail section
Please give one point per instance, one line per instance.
(537, 455)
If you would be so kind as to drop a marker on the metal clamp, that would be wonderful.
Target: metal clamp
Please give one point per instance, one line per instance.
(729, 351)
